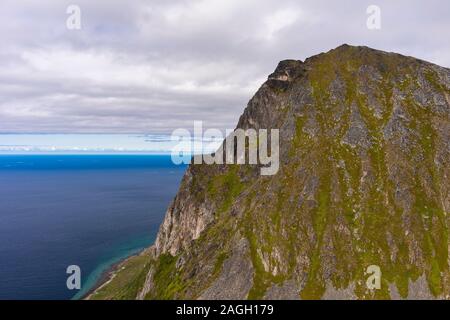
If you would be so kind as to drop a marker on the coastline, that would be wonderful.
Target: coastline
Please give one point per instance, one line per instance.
(104, 279)
(109, 273)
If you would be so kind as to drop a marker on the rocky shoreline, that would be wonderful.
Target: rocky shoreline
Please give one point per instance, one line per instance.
(108, 275)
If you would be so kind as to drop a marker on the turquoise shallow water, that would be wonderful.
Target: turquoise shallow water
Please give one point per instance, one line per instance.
(119, 253)
(86, 210)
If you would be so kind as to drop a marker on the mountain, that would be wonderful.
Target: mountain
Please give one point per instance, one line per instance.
(363, 181)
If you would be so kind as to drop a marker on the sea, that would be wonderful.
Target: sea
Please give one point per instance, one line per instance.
(90, 211)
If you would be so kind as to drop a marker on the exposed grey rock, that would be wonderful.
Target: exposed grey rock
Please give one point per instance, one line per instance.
(332, 293)
(288, 290)
(417, 290)
(236, 278)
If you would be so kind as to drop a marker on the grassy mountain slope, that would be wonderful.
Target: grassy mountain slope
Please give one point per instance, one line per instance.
(363, 180)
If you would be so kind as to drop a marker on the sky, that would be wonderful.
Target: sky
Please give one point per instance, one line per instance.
(20, 144)
(152, 66)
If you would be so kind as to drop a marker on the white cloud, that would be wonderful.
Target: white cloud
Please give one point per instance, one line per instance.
(104, 143)
(279, 20)
(152, 66)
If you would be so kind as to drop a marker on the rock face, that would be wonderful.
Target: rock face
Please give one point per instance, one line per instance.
(363, 180)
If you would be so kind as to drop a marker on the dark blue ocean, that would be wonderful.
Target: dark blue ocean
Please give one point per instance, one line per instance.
(85, 210)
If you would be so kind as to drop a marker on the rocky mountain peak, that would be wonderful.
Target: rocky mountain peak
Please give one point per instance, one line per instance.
(363, 181)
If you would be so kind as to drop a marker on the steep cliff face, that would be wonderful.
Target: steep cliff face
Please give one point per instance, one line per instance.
(363, 180)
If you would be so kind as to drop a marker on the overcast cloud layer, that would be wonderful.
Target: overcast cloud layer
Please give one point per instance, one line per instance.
(152, 66)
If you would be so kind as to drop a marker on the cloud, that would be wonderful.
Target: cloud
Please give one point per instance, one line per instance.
(106, 143)
(279, 20)
(153, 66)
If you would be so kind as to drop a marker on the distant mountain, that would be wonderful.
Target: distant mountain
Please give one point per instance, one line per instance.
(363, 180)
